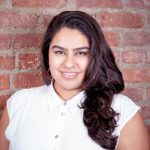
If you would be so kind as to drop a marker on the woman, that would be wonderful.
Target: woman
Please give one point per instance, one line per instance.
(80, 108)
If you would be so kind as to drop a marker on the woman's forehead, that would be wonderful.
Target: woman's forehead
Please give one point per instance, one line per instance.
(70, 38)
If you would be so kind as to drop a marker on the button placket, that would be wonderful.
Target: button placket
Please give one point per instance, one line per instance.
(65, 103)
(60, 124)
(62, 114)
(56, 136)
(63, 109)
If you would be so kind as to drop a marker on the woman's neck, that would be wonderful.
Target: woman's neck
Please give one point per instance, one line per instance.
(65, 94)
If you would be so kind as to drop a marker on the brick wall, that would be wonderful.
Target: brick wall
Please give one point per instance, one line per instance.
(126, 24)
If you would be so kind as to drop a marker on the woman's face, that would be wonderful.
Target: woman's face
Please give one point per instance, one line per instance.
(68, 60)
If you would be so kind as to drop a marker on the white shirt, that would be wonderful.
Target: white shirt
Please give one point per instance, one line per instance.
(40, 120)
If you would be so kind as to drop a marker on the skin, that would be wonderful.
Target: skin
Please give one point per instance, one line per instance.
(134, 136)
(68, 60)
(4, 144)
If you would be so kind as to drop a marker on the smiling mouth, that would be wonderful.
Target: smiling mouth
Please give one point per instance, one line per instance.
(69, 75)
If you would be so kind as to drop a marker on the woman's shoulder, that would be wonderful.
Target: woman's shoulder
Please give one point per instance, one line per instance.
(121, 101)
(26, 91)
(126, 108)
(24, 97)
(29, 91)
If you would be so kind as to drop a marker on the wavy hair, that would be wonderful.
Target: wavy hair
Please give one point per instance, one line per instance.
(103, 78)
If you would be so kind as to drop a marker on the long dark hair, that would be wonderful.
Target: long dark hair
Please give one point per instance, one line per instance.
(103, 79)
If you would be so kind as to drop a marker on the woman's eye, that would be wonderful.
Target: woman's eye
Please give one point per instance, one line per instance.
(82, 53)
(59, 52)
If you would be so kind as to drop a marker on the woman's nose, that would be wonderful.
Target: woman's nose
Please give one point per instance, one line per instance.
(69, 61)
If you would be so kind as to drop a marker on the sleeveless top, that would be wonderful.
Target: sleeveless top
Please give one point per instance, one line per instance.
(40, 120)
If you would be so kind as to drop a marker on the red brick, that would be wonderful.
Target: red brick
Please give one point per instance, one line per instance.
(4, 41)
(99, 3)
(135, 93)
(148, 127)
(117, 56)
(27, 40)
(147, 57)
(46, 19)
(136, 39)
(134, 57)
(137, 75)
(148, 19)
(137, 3)
(7, 62)
(147, 2)
(4, 19)
(148, 93)
(4, 81)
(23, 20)
(3, 100)
(15, 19)
(2, 1)
(29, 60)
(24, 80)
(39, 3)
(120, 19)
(113, 39)
(145, 112)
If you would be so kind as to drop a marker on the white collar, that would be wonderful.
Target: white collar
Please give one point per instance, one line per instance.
(54, 100)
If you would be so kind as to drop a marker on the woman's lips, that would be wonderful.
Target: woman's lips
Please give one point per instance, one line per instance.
(69, 75)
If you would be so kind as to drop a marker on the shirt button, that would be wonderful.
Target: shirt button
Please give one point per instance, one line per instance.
(62, 114)
(56, 136)
(65, 103)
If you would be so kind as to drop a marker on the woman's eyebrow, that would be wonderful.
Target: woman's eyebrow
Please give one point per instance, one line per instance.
(59, 47)
(75, 49)
(81, 48)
